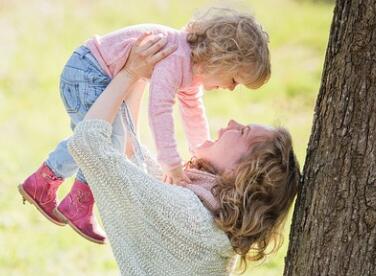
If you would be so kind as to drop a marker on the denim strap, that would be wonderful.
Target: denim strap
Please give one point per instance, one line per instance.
(128, 121)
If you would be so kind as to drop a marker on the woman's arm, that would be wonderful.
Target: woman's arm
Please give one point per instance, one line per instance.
(133, 101)
(135, 208)
(142, 216)
(140, 64)
(107, 170)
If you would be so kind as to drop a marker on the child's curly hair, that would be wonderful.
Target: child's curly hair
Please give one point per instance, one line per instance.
(254, 201)
(227, 40)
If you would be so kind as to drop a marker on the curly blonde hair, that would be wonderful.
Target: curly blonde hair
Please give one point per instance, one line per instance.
(226, 40)
(254, 201)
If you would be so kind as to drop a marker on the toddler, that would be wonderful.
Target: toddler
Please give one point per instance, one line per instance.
(220, 49)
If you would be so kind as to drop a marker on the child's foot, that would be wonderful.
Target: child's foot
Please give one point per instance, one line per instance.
(77, 210)
(40, 190)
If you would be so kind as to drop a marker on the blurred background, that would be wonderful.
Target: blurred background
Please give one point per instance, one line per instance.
(37, 38)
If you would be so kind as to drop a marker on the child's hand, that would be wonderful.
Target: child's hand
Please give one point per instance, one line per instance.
(176, 176)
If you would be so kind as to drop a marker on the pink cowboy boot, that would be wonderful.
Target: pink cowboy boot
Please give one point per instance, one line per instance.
(40, 189)
(77, 210)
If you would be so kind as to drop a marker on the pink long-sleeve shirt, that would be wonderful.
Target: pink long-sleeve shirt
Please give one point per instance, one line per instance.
(171, 79)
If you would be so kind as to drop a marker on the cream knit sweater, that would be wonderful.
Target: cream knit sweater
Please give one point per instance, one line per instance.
(153, 228)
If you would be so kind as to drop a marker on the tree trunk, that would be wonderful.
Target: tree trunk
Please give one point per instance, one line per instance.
(333, 230)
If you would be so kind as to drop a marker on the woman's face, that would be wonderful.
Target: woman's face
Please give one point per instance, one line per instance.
(233, 143)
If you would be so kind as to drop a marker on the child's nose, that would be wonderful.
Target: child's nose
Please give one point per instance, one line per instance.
(232, 87)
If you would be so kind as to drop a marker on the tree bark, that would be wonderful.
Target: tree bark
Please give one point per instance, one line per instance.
(333, 229)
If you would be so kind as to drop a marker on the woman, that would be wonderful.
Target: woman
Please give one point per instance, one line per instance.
(242, 186)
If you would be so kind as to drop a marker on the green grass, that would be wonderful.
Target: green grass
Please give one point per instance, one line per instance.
(37, 39)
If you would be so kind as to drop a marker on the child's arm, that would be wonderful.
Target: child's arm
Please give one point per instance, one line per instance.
(164, 83)
(176, 176)
(166, 78)
(194, 118)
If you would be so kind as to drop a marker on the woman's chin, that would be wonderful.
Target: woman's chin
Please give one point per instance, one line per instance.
(205, 144)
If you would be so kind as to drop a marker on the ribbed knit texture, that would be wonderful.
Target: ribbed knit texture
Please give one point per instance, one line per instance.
(202, 184)
(153, 228)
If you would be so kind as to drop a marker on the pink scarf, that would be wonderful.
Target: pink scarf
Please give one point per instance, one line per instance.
(202, 183)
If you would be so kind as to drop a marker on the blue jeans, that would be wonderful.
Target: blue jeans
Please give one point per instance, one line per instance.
(81, 83)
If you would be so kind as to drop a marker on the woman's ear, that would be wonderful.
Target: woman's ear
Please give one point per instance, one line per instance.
(197, 69)
(229, 172)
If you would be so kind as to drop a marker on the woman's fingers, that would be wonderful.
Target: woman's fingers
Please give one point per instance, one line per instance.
(186, 179)
(150, 41)
(153, 50)
(162, 54)
(146, 52)
(155, 46)
(141, 38)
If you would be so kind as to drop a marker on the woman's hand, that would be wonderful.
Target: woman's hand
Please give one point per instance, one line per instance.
(147, 50)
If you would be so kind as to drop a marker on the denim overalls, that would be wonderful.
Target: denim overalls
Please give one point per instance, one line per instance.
(81, 83)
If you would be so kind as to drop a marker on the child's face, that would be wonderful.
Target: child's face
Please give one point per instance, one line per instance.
(212, 81)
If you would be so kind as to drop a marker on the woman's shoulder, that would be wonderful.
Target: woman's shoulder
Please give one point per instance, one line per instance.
(200, 220)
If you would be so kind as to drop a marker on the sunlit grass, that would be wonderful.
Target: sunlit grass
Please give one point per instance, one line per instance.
(38, 37)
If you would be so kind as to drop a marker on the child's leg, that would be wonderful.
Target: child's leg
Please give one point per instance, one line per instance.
(77, 206)
(79, 89)
(82, 81)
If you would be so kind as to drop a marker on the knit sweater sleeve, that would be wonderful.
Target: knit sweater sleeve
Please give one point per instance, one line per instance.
(102, 164)
(147, 222)
(152, 166)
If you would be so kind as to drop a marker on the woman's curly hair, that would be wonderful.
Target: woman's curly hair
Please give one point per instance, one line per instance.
(227, 40)
(255, 199)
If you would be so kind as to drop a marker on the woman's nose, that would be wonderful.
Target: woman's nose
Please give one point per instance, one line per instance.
(232, 124)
